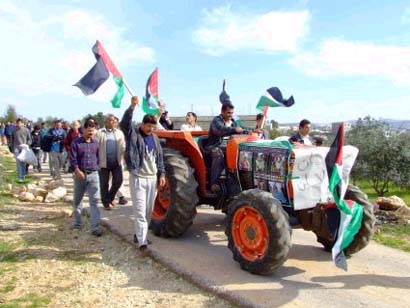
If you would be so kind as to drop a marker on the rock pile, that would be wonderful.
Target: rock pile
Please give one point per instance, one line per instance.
(392, 210)
(41, 191)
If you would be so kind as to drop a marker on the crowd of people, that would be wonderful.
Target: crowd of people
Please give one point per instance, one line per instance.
(95, 156)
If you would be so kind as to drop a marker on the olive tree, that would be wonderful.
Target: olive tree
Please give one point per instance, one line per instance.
(402, 176)
(379, 153)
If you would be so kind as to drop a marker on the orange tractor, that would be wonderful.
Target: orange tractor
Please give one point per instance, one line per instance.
(256, 194)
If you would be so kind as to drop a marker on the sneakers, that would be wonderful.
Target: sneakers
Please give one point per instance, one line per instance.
(97, 233)
(122, 200)
(136, 240)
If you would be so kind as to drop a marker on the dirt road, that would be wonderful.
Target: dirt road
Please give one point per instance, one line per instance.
(378, 276)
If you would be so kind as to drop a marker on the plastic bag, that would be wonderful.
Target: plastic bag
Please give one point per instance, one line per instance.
(27, 155)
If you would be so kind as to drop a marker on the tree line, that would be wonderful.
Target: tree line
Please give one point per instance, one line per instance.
(384, 154)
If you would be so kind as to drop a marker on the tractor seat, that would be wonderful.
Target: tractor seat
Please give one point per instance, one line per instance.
(202, 141)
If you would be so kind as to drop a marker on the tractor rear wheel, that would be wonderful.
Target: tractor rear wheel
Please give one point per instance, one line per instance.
(258, 232)
(366, 231)
(175, 204)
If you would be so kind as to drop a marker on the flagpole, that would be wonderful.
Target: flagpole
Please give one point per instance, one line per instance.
(127, 86)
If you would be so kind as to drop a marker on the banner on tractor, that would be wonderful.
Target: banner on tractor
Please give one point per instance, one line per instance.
(309, 176)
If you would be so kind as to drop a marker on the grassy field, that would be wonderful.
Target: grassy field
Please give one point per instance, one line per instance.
(394, 236)
(367, 188)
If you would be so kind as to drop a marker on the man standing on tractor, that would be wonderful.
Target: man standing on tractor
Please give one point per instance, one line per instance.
(221, 126)
(145, 164)
(302, 136)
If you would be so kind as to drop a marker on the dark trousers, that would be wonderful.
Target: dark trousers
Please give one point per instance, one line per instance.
(108, 193)
(218, 163)
(37, 152)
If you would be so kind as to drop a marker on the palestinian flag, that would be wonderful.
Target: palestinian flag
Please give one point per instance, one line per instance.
(273, 98)
(100, 73)
(150, 102)
(351, 213)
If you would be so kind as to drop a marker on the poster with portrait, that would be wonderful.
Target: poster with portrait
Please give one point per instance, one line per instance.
(277, 188)
(245, 160)
(260, 184)
(260, 164)
(278, 165)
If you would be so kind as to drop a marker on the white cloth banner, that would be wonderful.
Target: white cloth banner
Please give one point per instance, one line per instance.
(309, 176)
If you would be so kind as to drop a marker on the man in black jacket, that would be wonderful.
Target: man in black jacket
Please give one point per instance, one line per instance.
(144, 159)
(36, 146)
(302, 136)
(221, 126)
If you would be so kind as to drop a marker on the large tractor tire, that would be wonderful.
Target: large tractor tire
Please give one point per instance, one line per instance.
(175, 205)
(258, 232)
(365, 234)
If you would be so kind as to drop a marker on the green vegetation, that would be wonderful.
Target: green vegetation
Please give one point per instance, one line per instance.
(384, 155)
(27, 301)
(9, 286)
(394, 236)
(367, 188)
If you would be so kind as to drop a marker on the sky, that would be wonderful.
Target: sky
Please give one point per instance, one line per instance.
(341, 60)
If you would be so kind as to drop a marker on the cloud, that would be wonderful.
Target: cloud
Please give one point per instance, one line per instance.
(223, 31)
(338, 57)
(49, 55)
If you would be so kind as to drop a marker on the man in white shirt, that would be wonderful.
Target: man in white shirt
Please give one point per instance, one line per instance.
(190, 124)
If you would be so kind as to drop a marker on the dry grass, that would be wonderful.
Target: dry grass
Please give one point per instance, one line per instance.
(43, 265)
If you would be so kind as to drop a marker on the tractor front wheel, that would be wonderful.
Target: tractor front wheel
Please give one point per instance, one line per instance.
(258, 232)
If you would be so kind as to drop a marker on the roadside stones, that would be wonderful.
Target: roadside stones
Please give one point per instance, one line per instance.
(40, 191)
(55, 194)
(26, 196)
(39, 199)
(53, 184)
(68, 198)
(390, 203)
(392, 210)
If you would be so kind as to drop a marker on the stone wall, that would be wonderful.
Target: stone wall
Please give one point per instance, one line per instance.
(205, 121)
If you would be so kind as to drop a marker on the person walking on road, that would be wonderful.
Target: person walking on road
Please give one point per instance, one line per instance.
(8, 131)
(43, 133)
(36, 146)
(57, 147)
(144, 161)
(20, 136)
(111, 151)
(84, 160)
(72, 134)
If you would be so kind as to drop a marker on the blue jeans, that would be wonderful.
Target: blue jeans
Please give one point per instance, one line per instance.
(89, 185)
(21, 166)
